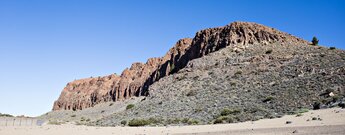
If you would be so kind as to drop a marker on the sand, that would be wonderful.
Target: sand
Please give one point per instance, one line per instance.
(332, 122)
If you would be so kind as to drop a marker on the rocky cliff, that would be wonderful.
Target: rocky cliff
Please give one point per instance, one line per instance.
(136, 80)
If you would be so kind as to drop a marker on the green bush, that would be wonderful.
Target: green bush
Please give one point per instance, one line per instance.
(130, 106)
(138, 122)
(315, 41)
(332, 48)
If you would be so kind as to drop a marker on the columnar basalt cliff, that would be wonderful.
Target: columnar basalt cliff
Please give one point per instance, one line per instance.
(136, 80)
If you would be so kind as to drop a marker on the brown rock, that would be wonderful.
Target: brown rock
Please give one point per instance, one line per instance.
(135, 81)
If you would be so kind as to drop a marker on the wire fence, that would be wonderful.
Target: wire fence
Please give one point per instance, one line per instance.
(9, 121)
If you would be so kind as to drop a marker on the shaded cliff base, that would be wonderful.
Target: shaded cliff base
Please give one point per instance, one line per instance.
(327, 121)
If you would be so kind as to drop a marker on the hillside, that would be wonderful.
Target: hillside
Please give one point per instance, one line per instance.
(239, 72)
(251, 84)
(136, 80)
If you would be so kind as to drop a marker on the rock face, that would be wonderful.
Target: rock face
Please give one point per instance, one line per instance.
(136, 80)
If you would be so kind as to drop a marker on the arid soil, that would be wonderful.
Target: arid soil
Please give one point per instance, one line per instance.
(317, 122)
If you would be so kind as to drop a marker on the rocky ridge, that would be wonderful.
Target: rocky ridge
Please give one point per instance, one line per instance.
(136, 80)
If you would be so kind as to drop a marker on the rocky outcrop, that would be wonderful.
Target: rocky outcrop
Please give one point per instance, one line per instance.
(136, 80)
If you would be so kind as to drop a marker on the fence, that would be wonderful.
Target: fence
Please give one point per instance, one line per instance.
(9, 121)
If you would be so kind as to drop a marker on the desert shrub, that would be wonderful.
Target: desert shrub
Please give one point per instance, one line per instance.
(223, 119)
(315, 41)
(227, 111)
(302, 110)
(154, 120)
(193, 122)
(124, 122)
(217, 121)
(138, 122)
(55, 122)
(176, 121)
(185, 120)
(111, 104)
(173, 121)
(130, 106)
(87, 120)
(269, 51)
(73, 115)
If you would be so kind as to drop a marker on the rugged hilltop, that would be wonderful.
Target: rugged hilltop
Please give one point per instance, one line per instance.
(136, 80)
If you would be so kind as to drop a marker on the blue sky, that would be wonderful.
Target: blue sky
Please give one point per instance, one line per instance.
(45, 44)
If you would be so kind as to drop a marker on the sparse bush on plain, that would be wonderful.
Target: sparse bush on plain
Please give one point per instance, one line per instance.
(193, 122)
(227, 111)
(302, 110)
(218, 121)
(55, 122)
(130, 106)
(224, 119)
(185, 120)
(73, 115)
(138, 122)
